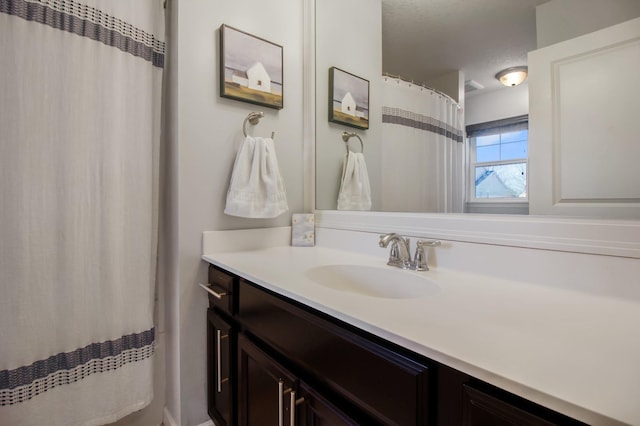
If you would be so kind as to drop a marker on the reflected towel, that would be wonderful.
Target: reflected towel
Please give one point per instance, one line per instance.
(256, 189)
(355, 192)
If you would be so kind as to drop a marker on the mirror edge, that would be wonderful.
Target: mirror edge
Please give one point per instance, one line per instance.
(309, 105)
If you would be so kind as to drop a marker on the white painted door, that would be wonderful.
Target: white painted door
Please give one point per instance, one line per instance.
(584, 120)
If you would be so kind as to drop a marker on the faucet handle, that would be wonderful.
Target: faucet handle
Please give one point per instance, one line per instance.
(430, 243)
(420, 258)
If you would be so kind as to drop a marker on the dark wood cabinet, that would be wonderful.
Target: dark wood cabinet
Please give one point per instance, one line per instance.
(221, 348)
(275, 361)
(265, 387)
(485, 405)
(382, 383)
(482, 409)
(269, 394)
(220, 369)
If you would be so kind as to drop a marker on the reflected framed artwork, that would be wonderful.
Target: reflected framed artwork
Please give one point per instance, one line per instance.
(348, 99)
(250, 68)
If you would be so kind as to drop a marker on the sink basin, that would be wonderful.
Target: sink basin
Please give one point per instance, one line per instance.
(373, 281)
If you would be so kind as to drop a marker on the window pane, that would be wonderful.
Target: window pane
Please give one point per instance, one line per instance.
(487, 153)
(521, 135)
(504, 181)
(488, 140)
(514, 150)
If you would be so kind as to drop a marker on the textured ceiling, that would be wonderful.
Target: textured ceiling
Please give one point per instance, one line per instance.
(422, 39)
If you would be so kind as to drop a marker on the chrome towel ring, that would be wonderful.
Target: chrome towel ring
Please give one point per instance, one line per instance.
(346, 136)
(253, 118)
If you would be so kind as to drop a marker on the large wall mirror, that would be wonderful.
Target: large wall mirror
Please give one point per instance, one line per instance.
(454, 47)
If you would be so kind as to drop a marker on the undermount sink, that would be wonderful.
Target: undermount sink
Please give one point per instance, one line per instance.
(373, 281)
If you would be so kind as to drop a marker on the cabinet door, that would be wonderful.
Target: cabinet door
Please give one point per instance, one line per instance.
(220, 383)
(315, 410)
(264, 387)
(481, 409)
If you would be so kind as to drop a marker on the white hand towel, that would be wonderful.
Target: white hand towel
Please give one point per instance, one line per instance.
(256, 189)
(355, 192)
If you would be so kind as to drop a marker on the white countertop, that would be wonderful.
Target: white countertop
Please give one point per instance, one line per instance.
(574, 352)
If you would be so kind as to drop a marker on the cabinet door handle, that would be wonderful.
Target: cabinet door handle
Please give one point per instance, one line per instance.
(218, 360)
(292, 407)
(219, 379)
(280, 397)
(281, 394)
(209, 290)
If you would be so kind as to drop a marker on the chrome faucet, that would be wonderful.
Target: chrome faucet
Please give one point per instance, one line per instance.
(400, 252)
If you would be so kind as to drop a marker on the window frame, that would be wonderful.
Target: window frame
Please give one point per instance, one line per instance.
(483, 129)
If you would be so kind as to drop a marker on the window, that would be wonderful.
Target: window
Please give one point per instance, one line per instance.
(498, 153)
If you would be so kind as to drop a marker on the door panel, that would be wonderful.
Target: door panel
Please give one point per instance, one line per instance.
(264, 387)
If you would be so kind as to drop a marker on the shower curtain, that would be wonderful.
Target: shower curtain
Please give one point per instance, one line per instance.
(422, 149)
(79, 142)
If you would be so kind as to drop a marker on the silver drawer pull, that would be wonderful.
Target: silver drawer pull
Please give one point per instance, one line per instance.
(213, 293)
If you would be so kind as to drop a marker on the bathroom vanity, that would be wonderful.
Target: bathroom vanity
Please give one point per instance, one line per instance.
(332, 335)
(274, 360)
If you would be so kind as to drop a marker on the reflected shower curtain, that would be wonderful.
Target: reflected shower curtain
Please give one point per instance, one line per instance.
(79, 142)
(422, 149)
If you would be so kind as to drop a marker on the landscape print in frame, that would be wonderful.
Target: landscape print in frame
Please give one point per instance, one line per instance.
(348, 99)
(250, 68)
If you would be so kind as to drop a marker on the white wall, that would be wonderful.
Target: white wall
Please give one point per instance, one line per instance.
(498, 104)
(348, 36)
(451, 83)
(560, 20)
(206, 135)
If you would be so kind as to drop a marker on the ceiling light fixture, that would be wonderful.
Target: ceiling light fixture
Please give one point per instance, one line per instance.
(512, 76)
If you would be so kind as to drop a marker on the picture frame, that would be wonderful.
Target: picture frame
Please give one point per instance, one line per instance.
(251, 68)
(348, 99)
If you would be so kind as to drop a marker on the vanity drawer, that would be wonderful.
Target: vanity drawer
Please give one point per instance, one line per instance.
(349, 365)
(221, 290)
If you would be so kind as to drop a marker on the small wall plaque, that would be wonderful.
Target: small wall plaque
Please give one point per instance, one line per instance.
(303, 230)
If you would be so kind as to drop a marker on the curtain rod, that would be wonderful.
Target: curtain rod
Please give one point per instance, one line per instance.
(386, 74)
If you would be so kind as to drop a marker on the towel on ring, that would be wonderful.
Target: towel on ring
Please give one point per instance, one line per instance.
(256, 189)
(355, 192)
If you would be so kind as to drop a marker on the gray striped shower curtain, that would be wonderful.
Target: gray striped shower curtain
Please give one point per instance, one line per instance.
(422, 134)
(80, 92)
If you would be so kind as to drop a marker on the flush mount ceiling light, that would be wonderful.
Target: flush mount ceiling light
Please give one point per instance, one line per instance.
(512, 76)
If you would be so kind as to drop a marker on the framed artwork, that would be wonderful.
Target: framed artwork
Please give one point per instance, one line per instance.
(250, 68)
(348, 99)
